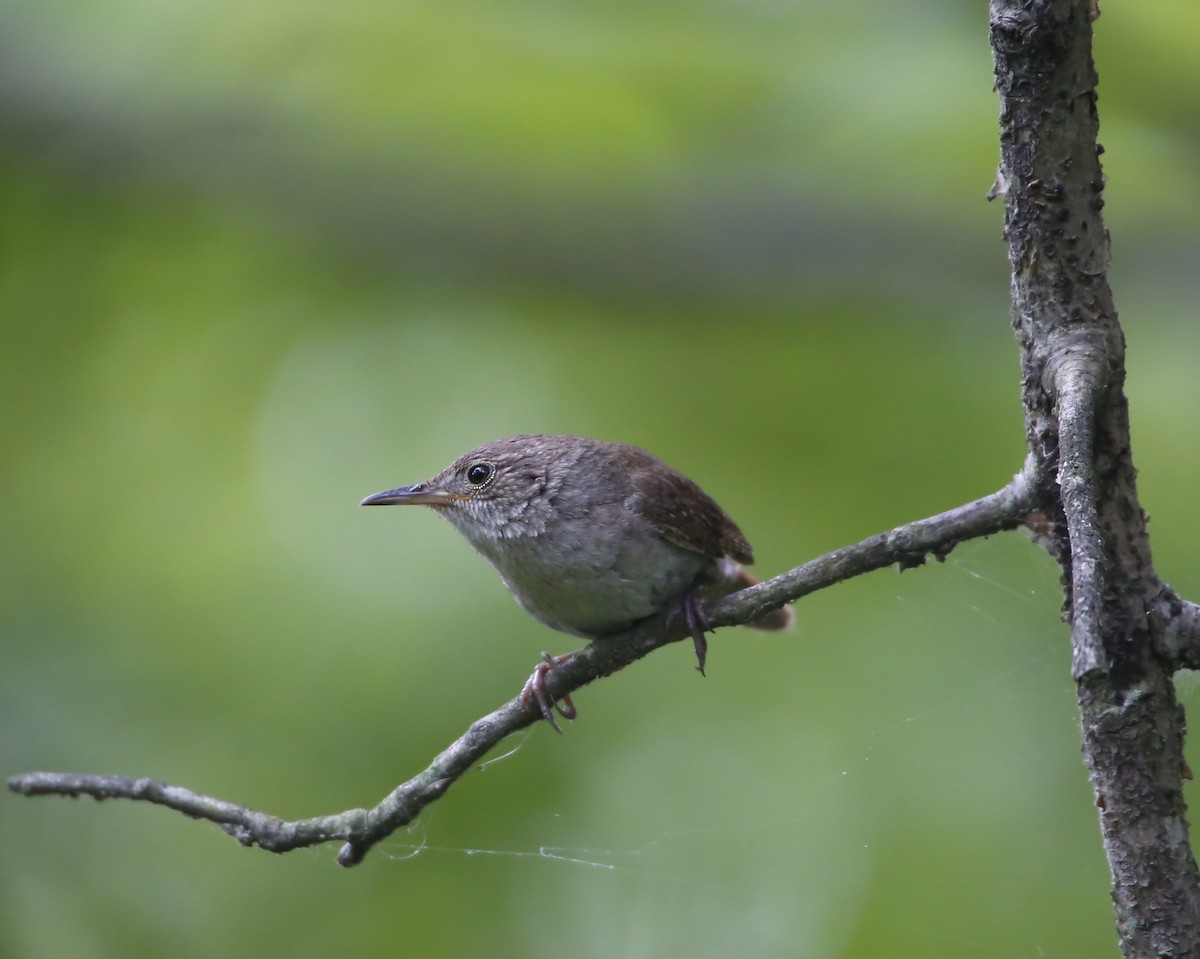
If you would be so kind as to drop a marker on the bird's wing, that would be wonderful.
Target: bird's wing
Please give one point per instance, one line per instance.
(685, 515)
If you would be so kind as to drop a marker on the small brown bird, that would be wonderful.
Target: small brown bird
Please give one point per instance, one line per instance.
(590, 537)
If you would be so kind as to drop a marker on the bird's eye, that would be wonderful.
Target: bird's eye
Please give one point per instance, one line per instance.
(480, 474)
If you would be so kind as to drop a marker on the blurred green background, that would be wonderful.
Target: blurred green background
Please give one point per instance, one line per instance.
(260, 260)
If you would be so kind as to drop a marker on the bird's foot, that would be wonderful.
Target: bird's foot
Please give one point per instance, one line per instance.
(535, 690)
(697, 623)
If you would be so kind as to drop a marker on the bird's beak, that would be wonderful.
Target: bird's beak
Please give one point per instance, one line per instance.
(417, 494)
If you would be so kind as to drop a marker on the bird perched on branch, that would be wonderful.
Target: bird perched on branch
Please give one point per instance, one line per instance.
(590, 537)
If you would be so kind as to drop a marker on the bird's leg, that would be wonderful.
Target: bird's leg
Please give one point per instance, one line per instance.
(697, 624)
(535, 689)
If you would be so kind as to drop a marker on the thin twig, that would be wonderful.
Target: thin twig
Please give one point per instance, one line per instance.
(360, 829)
(906, 546)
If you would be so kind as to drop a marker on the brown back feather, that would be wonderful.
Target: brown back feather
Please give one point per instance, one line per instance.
(685, 514)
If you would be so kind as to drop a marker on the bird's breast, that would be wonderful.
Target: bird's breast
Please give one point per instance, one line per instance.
(589, 577)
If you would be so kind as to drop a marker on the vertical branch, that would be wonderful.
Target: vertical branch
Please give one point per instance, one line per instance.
(1077, 487)
(1077, 427)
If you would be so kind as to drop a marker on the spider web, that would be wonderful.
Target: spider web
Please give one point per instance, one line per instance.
(910, 767)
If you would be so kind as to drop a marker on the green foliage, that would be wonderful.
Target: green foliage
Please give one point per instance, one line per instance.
(261, 260)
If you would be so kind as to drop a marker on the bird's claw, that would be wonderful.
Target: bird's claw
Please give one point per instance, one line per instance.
(697, 624)
(535, 691)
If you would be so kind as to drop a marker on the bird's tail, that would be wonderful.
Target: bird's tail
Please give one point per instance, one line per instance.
(736, 577)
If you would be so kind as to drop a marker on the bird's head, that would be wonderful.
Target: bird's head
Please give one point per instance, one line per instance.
(495, 491)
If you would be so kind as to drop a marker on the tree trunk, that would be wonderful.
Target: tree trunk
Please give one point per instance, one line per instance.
(1077, 426)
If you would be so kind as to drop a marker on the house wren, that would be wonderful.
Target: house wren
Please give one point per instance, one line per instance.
(590, 537)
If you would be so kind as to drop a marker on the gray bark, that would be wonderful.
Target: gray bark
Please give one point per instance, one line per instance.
(1077, 426)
